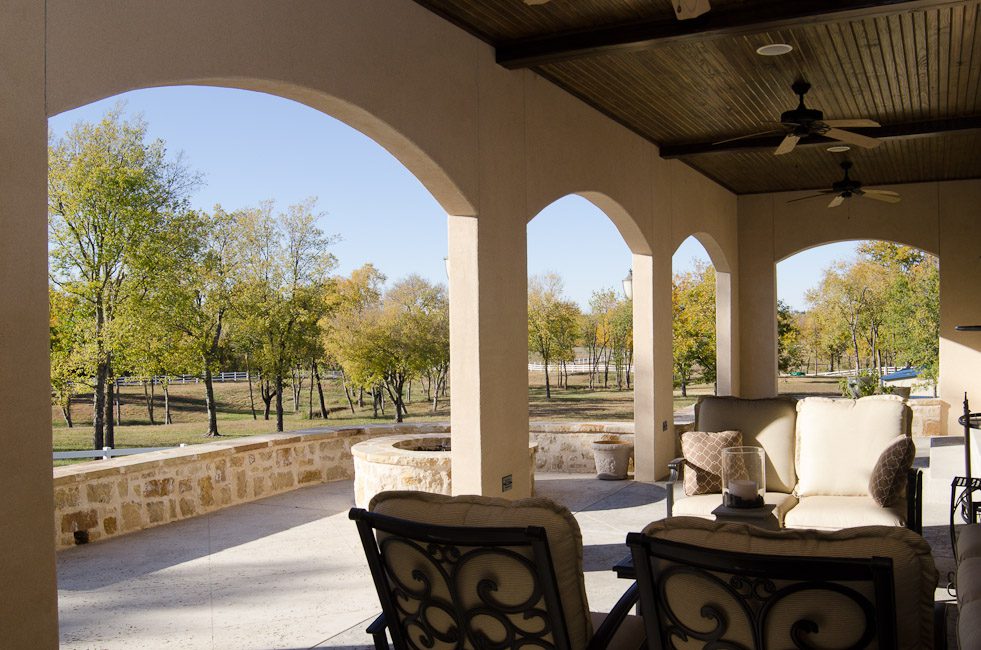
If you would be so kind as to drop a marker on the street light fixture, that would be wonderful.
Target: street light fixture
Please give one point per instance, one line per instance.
(628, 285)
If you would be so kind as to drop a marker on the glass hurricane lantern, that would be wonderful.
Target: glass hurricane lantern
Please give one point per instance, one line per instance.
(743, 477)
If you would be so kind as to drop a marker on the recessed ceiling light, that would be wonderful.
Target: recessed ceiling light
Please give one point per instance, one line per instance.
(775, 49)
(839, 148)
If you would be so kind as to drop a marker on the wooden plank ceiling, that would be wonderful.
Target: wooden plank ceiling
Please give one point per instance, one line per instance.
(914, 67)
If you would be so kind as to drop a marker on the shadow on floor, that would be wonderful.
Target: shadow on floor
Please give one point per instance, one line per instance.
(91, 566)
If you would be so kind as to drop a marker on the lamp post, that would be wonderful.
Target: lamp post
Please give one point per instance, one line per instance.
(628, 285)
(446, 263)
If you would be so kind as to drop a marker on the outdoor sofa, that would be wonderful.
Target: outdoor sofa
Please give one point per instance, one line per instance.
(820, 456)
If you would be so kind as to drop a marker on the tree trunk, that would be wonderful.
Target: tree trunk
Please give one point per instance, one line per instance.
(166, 390)
(310, 394)
(248, 376)
(548, 389)
(684, 388)
(296, 384)
(347, 393)
(266, 394)
(148, 398)
(320, 391)
(375, 399)
(361, 397)
(279, 401)
(209, 393)
(110, 421)
(66, 410)
(99, 407)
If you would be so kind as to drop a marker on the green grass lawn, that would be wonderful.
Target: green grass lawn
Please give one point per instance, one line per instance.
(577, 402)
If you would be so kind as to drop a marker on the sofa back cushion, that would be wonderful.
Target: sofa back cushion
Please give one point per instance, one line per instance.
(840, 440)
(915, 574)
(766, 423)
(564, 538)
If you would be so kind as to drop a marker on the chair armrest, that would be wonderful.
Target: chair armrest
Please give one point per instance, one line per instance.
(377, 630)
(914, 500)
(608, 628)
(674, 467)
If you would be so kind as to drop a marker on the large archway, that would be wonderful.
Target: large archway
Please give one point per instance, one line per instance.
(851, 314)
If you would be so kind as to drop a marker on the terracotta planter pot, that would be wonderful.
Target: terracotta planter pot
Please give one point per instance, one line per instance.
(612, 459)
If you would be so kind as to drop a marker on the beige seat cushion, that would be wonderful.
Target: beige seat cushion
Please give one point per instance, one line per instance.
(913, 567)
(968, 542)
(969, 580)
(969, 626)
(834, 513)
(564, 538)
(702, 505)
(766, 423)
(840, 440)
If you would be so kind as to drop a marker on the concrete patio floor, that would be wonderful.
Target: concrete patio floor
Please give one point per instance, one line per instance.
(289, 572)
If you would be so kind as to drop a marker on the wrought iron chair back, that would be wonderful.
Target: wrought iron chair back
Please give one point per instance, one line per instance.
(708, 598)
(462, 587)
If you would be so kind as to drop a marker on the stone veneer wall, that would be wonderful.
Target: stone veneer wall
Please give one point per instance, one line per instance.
(107, 498)
(123, 495)
(567, 446)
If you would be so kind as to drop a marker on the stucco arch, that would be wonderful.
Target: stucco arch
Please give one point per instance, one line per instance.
(807, 224)
(93, 54)
(621, 218)
(715, 252)
(830, 241)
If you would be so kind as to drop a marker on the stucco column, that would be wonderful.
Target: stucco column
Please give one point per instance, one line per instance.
(726, 334)
(960, 304)
(489, 357)
(653, 394)
(28, 594)
(757, 290)
(489, 302)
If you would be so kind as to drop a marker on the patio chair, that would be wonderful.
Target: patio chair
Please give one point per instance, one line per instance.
(479, 572)
(716, 585)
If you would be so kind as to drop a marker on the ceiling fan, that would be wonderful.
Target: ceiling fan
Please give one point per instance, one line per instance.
(803, 121)
(847, 187)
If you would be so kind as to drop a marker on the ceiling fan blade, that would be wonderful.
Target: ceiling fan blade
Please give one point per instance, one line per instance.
(811, 196)
(853, 138)
(835, 202)
(751, 135)
(881, 195)
(857, 123)
(787, 145)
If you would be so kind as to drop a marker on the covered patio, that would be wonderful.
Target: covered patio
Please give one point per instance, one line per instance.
(499, 109)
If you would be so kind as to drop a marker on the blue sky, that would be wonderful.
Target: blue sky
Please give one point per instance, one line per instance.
(251, 147)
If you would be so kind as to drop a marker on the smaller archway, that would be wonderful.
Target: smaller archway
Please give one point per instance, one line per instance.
(580, 314)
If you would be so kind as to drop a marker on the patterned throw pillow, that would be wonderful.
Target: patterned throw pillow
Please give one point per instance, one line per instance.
(703, 459)
(889, 474)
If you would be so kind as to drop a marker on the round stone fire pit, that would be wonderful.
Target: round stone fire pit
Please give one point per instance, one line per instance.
(405, 462)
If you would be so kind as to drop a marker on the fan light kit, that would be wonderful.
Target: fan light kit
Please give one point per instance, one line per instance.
(839, 148)
(802, 122)
(847, 187)
(775, 49)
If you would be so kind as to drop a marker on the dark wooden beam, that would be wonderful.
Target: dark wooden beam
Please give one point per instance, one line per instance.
(886, 132)
(641, 35)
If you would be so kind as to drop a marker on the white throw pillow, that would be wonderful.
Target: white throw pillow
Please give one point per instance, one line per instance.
(840, 440)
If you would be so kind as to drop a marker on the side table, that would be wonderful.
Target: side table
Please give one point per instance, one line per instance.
(759, 517)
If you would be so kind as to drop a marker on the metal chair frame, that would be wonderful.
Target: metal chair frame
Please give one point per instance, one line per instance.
(454, 545)
(751, 581)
